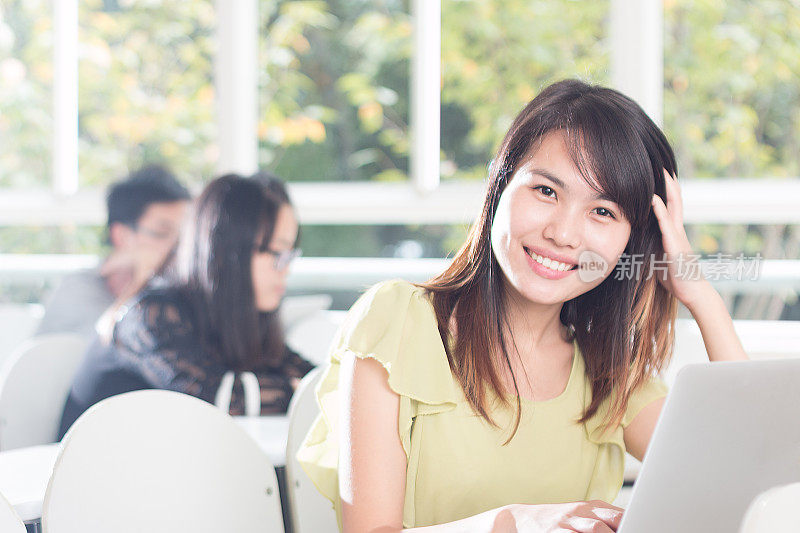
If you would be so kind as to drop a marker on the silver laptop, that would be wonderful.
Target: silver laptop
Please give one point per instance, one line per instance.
(728, 431)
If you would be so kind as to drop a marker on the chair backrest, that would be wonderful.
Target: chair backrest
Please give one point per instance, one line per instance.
(774, 511)
(10, 522)
(311, 336)
(764, 339)
(34, 384)
(160, 461)
(295, 308)
(18, 322)
(311, 512)
(761, 339)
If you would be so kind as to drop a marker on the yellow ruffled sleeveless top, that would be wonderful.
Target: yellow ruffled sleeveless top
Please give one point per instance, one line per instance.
(457, 464)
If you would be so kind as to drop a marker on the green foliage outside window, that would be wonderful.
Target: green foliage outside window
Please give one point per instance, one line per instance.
(334, 89)
(26, 97)
(334, 92)
(146, 88)
(732, 98)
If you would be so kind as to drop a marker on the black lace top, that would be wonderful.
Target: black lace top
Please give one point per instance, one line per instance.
(157, 345)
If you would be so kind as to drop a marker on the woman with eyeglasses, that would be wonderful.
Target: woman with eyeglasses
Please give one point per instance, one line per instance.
(210, 327)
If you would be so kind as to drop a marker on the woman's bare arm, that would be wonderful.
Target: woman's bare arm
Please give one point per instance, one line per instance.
(639, 432)
(372, 463)
(716, 325)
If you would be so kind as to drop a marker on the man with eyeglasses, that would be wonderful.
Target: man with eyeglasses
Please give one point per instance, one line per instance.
(145, 214)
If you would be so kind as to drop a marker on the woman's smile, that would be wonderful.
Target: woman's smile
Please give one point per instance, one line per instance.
(547, 267)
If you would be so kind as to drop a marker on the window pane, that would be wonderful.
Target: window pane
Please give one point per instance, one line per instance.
(67, 239)
(497, 55)
(410, 242)
(146, 87)
(732, 101)
(333, 89)
(26, 96)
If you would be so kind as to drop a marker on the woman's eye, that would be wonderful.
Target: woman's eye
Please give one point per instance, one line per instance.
(603, 212)
(547, 191)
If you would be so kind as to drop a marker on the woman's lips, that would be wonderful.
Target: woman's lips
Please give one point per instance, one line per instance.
(546, 272)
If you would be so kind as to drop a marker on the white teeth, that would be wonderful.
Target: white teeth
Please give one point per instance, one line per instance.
(552, 264)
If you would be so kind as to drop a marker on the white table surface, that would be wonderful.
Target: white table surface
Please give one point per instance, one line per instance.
(23, 478)
(271, 434)
(24, 472)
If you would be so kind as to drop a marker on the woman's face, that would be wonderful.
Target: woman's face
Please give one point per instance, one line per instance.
(269, 283)
(547, 212)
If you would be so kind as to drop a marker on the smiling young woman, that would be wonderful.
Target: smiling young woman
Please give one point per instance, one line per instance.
(502, 394)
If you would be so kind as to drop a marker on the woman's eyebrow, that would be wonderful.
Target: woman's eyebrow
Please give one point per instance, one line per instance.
(558, 181)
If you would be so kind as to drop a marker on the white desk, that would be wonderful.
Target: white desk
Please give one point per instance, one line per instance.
(24, 472)
(270, 432)
(23, 478)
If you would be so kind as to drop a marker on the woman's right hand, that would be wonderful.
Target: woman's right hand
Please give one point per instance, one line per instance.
(585, 517)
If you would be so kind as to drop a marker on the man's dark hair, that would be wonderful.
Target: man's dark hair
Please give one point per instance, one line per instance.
(128, 199)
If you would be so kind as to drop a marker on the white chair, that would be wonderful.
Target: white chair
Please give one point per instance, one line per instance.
(160, 461)
(761, 339)
(774, 511)
(18, 322)
(311, 336)
(34, 384)
(311, 512)
(9, 520)
(295, 308)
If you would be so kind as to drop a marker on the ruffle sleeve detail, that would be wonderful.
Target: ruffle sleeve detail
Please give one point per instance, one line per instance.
(393, 323)
(648, 393)
(610, 464)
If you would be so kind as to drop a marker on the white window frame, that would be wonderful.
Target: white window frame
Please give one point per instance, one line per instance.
(636, 28)
(65, 97)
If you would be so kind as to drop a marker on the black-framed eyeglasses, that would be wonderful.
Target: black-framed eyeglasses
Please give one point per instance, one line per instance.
(282, 258)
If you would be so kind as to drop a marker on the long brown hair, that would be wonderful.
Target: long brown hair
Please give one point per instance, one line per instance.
(232, 217)
(624, 327)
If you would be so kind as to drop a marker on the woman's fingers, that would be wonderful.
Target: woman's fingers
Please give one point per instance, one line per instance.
(665, 223)
(674, 234)
(589, 525)
(610, 515)
(674, 200)
(595, 515)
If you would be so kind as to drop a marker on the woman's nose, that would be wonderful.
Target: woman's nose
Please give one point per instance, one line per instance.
(563, 229)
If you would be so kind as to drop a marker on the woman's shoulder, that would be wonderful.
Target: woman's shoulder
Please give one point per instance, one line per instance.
(390, 304)
(164, 302)
(393, 292)
(158, 315)
(390, 318)
(162, 295)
